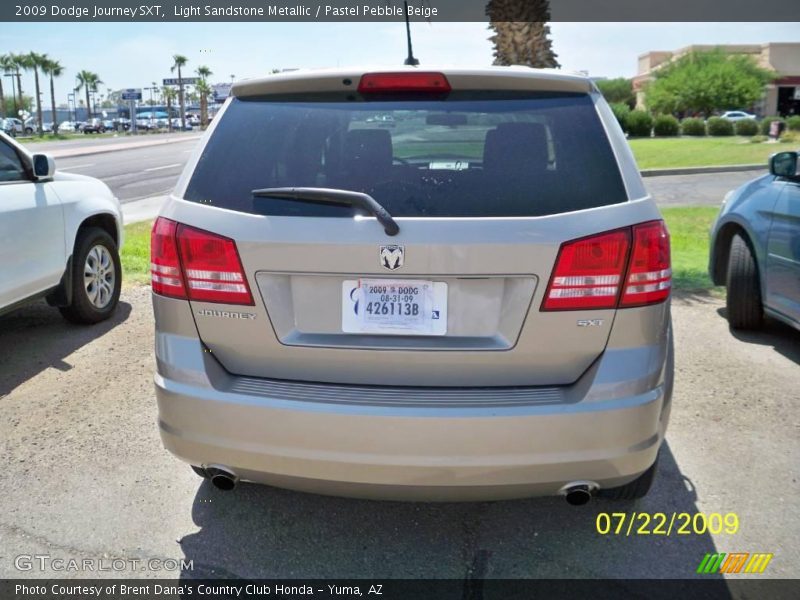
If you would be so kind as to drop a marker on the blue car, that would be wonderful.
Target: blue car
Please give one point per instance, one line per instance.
(755, 247)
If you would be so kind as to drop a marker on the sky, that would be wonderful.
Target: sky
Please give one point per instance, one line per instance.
(133, 55)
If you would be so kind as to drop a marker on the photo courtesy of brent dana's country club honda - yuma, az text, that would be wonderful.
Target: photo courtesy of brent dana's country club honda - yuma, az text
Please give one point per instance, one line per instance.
(424, 299)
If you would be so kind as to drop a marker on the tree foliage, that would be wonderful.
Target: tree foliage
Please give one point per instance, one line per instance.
(703, 82)
(619, 90)
(88, 81)
(12, 106)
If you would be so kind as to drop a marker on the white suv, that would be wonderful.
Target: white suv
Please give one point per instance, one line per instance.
(61, 235)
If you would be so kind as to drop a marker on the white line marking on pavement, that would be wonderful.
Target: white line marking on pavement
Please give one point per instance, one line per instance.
(164, 167)
(72, 167)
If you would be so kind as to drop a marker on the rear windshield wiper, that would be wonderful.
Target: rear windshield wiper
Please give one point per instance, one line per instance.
(333, 196)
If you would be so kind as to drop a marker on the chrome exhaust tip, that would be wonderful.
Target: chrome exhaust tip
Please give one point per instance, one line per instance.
(222, 478)
(579, 493)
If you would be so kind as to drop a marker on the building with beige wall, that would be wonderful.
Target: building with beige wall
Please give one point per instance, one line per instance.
(781, 97)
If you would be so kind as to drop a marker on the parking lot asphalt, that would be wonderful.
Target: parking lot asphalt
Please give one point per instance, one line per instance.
(706, 189)
(85, 475)
(134, 173)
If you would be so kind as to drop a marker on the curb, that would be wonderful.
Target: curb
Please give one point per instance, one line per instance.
(702, 170)
(67, 153)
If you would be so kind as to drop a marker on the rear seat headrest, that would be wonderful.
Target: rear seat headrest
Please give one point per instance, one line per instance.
(516, 147)
(367, 150)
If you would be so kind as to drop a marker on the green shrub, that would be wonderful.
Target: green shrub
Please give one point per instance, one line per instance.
(758, 139)
(666, 126)
(639, 123)
(719, 126)
(793, 123)
(790, 137)
(746, 127)
(765, 124)
(694, 127)
(621, 112)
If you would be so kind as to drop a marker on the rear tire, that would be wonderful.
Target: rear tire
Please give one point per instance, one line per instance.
(638, 488)
(745, 310)
(96, 278)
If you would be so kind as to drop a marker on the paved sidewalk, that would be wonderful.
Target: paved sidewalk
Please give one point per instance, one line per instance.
(145, 209)
(109, 147)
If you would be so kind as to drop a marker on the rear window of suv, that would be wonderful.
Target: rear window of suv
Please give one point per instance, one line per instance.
(478, 155)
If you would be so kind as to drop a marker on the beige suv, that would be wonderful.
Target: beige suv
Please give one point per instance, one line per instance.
(444, 285)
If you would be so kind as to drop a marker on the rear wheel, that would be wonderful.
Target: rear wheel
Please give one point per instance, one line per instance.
(96, 278)
(634, 490)
(745, 310)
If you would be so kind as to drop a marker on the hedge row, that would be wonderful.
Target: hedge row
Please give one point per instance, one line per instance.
(639, 123)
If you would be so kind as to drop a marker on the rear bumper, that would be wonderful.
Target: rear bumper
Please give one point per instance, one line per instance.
(422, 443)
(426, 455)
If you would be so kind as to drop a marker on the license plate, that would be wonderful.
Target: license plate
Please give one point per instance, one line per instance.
(394, 307)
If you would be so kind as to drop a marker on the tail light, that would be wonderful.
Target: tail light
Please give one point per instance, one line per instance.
(620, 268)
(588, 272)
(165, 266)
(198, 265)
(416, 82)
(649, 275)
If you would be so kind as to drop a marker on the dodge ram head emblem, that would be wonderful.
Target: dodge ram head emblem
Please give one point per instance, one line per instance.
(392, 256)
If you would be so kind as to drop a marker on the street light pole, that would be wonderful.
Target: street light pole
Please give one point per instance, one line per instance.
(73, 108)
(150, 89)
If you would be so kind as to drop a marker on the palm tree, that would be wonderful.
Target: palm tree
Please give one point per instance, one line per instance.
(169, 95)
(54, 69)
(521, 33)
(89, 82)
(179, 61)
(17, 61)
(33, 61)
(205, 91)
(5, 67)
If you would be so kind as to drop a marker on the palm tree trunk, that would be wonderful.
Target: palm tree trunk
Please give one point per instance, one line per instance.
(88, 106)
(53, 105)
(521, 33)
(180, 99)
(39, 122)
(169, 112)
(19, 91)
(2, 99)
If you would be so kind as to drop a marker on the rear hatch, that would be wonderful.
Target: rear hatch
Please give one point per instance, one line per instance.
(485, 187)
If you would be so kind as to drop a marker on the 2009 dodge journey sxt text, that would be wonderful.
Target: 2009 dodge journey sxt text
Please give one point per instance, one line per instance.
(441, 285)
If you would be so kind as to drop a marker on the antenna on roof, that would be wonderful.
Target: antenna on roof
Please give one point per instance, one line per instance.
(410, 60)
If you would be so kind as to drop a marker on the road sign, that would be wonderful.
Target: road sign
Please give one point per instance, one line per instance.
(186, 81)
(132, 94)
